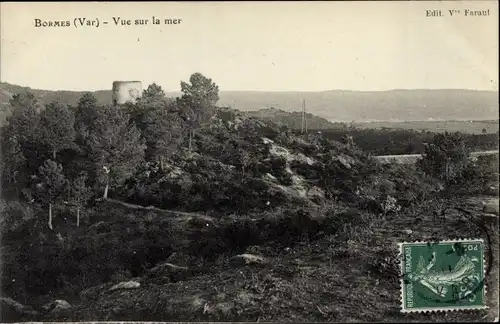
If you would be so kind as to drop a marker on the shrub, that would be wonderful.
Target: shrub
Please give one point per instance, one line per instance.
(446, 158)
(482, 174)
(390, 205)
(15, 216)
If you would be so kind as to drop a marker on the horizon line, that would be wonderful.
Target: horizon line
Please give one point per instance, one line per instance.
(275, 91)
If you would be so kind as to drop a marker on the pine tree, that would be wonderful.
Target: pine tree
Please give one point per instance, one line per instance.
(12, 158)
(163, 132)
(154, 93)
(201, 91)
(21, 145)
(79, 193)
(85, 114)
(197, 103)
(52, 186)
(116, 146)
(57, 130)
(25, 118)
(153, 99)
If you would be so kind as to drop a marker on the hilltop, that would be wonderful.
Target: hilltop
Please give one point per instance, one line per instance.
(293, 119)
(335, 105)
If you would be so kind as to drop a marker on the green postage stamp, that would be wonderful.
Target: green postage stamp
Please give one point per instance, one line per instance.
(441, 276)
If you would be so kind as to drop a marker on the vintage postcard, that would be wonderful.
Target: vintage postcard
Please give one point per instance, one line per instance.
(307, 161)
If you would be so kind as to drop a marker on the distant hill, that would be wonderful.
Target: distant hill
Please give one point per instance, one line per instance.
(335, 105)
(293, 119)
(395, 105)
(45, 96)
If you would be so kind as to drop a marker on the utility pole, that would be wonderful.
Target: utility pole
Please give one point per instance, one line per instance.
(303, 127)
(305, 115)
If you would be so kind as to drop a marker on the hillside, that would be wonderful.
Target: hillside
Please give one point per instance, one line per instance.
(293, 119)
(335, 105)
(234, 219)
(272, 243)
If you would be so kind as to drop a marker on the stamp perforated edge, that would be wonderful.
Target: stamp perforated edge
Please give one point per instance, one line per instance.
(436, 310)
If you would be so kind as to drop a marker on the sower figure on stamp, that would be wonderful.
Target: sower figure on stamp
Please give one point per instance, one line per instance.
(438, 282)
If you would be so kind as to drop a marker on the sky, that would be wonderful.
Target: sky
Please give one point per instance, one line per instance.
(275, 46)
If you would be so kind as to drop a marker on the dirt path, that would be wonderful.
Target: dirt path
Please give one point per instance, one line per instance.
(381, 291)
(170, 212)
(333, 279)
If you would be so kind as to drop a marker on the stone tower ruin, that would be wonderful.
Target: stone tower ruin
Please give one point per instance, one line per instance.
(126, 91)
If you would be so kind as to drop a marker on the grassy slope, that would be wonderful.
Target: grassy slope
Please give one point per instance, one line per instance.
(293, 119)
(324, 279)
(349, 275)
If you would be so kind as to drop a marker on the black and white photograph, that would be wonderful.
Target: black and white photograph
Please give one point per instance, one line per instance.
(249, 161)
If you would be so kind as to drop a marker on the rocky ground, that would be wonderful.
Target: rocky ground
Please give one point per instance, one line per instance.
(349, 275)
(306, 230)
